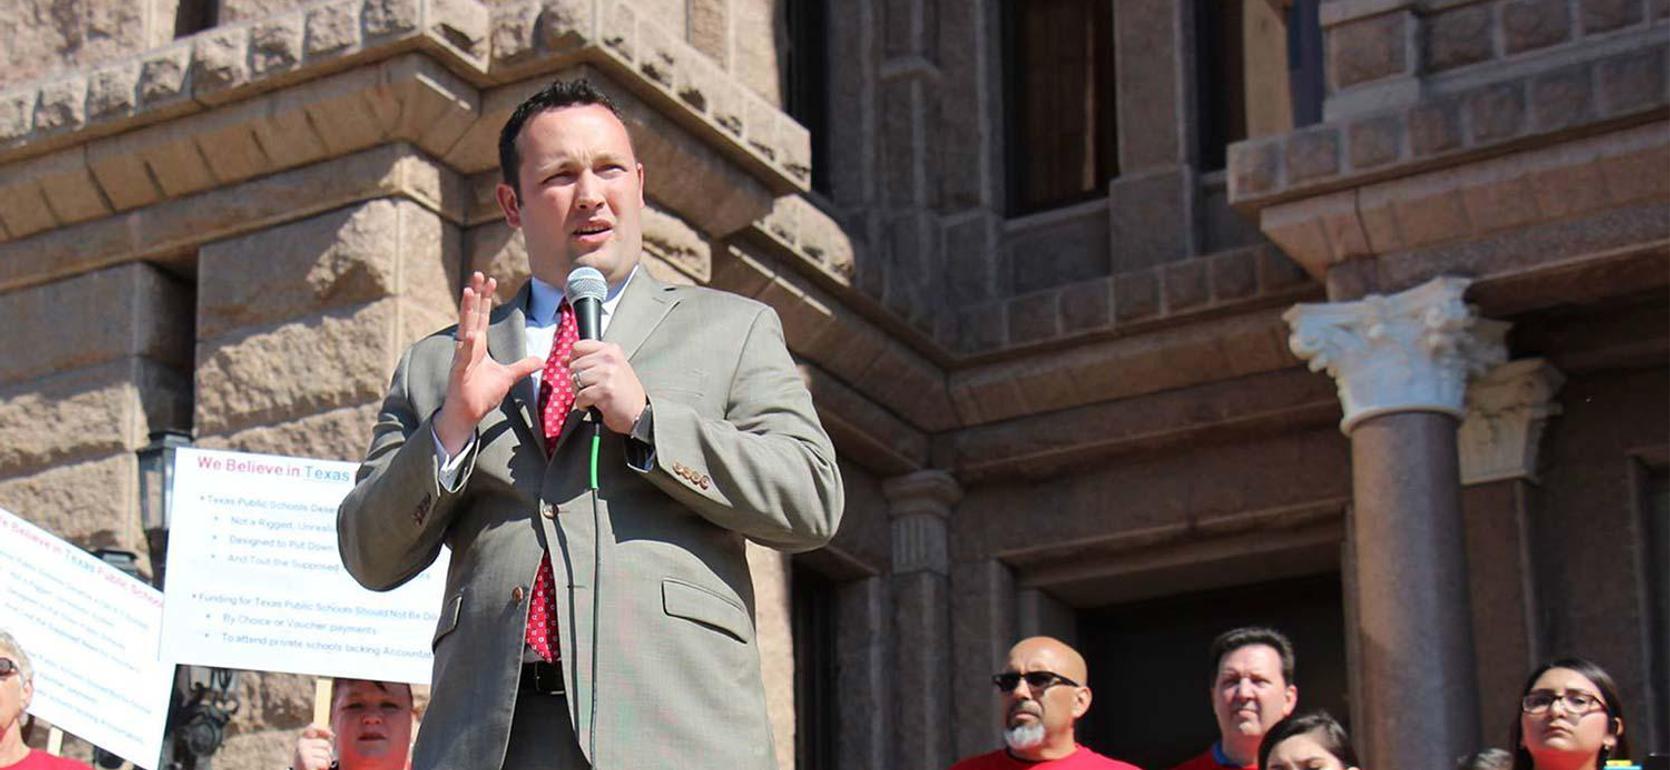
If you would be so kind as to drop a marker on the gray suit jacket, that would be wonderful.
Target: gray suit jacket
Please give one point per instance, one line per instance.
(655, 605)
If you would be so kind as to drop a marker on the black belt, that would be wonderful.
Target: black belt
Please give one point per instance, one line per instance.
(541, 678)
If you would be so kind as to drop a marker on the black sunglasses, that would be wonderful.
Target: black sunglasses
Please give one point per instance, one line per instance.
(1038, 681)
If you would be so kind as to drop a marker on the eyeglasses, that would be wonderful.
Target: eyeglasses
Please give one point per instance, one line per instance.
(7, 667)
(1038, 681)
(1576, 702)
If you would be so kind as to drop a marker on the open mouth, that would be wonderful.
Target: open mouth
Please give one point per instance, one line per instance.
(593, 232)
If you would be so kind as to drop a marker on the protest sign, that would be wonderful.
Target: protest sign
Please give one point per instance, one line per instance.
(91, 632)
(255, 581)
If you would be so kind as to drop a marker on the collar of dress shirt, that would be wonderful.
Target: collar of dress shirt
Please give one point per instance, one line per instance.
(544, 299)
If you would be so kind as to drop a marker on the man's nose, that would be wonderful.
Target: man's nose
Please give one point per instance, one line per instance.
(1244, 689)
(588, 190)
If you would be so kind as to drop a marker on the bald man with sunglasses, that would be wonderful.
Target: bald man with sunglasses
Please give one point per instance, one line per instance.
(1043, 693)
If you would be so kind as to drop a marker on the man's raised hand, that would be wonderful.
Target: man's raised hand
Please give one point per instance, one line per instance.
(476, 383)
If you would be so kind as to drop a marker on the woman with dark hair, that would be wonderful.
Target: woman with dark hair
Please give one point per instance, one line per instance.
(1309, 741)
(1570, 718)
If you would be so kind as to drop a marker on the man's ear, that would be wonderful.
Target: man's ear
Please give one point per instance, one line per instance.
(1081, 702)
(508, 203)
(1290, 701)
(640, 185)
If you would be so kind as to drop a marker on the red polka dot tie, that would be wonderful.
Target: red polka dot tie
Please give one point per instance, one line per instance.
(556, 394)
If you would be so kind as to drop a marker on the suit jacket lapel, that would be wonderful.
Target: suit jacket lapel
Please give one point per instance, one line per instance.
(507, 342)
(641, 309)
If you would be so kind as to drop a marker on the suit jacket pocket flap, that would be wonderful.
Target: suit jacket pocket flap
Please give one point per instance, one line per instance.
(448, 620)
(683, 600)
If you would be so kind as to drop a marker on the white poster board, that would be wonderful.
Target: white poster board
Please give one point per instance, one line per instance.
(255, 581)
(91, 632)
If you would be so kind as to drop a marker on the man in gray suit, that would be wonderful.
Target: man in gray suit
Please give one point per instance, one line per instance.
(608, 627)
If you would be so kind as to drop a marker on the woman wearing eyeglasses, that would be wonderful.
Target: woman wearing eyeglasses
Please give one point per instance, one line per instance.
(1313, 741)
(17, 687)
(1570, 718)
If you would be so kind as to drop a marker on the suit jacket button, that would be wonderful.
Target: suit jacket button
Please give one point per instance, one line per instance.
(547, 510)
(516, 594)
(703, 483)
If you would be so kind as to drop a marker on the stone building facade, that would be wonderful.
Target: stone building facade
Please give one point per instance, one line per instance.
(1089, 414)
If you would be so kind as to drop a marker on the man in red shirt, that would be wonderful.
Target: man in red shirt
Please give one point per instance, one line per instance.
(1252, 689)
(1044, 695)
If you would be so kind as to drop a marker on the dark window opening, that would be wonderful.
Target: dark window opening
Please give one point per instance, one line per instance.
(816, 723)
(1058, 79)
(806, 79)
(1232, 49)
(194, 16)
(1655, 513)
(1150, 671)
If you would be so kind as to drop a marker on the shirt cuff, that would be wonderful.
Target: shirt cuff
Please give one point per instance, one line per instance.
(640, 443)
(450, 466)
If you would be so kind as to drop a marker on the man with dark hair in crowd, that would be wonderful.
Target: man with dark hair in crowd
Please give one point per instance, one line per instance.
(1252, 690)
(597, 495)
(370, 729)
(17, 689)
(1044, 694)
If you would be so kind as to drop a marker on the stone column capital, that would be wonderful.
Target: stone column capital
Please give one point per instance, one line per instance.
(1407, 352)
(1507, 410)
(929, 492)
(919, 504)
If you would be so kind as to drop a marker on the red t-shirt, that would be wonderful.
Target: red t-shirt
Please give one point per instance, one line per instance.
(1209, 761)
(40, 760)
(1081, 759)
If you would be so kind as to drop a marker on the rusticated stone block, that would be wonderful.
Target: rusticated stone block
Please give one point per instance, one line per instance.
(163, 76)
(111, 91)
(344, 258)
(1234, 274)
(709, 31)
(219, 60)
(1370, 49)
(660, 54)
(761, 128)
(498, 251)
(1033, 317)
(568, 24)
(1185, 285)
(465, 24)
(121, 174)
(1313, 153)
(1532, 24)
(23, 207)
(89, 412)
(276, 45)
(268, 375)
(1631, 81)
(1561, 98)
(1458, 37)
(332, 29)
(389, 17)
(1434, 127)
(141, 312)
(514, 26)
(696, 83)
(1496, 112)
(1254, 167)
(339, 434)
(17, 111)
(93, 503)
(62, 105)
(794, 148)
(1605, 15)
(620, 31)
(1136, 295)
(1086, 305)
(1375, 141)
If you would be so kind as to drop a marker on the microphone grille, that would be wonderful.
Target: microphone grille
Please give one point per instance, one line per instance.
(586, 283)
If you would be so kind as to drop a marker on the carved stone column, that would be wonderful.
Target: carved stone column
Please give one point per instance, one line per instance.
(919, 505)
(1507, 410)
(1402, 363)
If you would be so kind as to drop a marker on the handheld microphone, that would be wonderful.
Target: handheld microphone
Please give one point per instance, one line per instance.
(586, 290)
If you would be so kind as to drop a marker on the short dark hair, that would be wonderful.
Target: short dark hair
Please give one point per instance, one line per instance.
(1318, 724)
(559, 94)
(1236, 638)
(1488, 759)
(1608, 693)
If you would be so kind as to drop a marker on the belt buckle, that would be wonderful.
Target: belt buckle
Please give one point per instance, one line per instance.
(547, 679)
